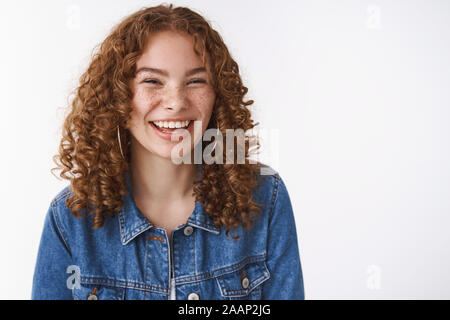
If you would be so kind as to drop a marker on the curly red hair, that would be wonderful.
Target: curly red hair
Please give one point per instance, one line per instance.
(89, 153)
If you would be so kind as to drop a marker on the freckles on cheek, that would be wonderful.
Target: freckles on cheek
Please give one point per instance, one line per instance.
(204, 100)
(142, 101)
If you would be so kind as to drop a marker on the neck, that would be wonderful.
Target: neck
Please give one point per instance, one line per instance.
(157, 178)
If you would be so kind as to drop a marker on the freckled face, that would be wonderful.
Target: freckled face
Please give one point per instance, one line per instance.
(176, 92)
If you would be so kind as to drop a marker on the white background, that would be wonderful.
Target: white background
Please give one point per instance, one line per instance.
(354, 96)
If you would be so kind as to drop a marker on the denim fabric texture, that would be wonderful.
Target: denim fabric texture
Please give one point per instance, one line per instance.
(129, 258)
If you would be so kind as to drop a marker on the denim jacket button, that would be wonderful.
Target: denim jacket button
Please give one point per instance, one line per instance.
(188, 230)
(92, 297)
(245, 283)
(193, 296)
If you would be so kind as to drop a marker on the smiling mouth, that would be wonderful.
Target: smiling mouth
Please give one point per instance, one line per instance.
(170, 127)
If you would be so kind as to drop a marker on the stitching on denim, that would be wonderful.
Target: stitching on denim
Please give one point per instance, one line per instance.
(91, 280)
(122, 226)
(232, 268)
(244, 292)
(126, 237)
(117, 293)
(202, 220)
(242, 263)
(137, 230)
(92, 277)
(146, 261)
(274, 195)
(220, 271)
(170, 260)
(195, 260)
(256, 286)
(266, 270)
(204, 226)
(60, 196)
(123, 286)
(220, 287)
(60, 229)
(259, 292)
(248, 290)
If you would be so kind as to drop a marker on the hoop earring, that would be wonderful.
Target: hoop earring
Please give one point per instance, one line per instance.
(120, 142)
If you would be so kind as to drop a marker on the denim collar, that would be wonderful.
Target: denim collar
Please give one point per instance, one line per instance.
(132, 221)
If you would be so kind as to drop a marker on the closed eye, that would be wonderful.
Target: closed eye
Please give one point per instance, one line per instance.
(153, 81)
(198, 81)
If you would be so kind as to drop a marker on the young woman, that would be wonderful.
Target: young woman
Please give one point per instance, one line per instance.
(135, 222)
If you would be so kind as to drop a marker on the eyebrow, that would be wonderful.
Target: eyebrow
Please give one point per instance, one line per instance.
(165, 73)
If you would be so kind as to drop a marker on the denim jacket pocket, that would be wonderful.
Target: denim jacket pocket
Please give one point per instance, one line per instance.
(244, 283)
(98, 292)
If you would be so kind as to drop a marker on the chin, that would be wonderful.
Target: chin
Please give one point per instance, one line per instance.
(166, 153)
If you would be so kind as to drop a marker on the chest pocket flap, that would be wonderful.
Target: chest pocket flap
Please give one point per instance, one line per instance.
(98, 292)
(241, 282)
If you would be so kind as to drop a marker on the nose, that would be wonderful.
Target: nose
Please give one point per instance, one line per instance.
(175, 99)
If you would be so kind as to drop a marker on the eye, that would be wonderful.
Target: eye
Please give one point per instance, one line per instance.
(151, 81)
(154, 81)
(198, 81)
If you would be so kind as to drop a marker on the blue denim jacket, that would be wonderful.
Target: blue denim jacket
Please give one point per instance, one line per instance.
(129, 258)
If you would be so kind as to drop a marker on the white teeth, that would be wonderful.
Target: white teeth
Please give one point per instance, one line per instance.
(172, 124)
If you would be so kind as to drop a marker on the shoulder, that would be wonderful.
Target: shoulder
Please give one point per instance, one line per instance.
(60, 198)
(271, 188)
(60, 213)
(58, 202)
(68, 222)
(270, 183)
(266, 176)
